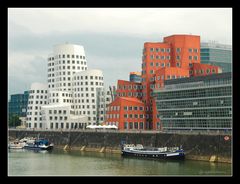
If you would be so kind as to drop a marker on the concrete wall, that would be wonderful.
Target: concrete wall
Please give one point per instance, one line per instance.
(200, 147)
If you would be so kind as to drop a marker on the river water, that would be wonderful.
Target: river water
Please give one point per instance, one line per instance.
(76, 163)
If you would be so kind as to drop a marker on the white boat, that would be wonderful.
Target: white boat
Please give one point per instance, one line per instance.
(20, 144)
(16, 145)
(160, 153)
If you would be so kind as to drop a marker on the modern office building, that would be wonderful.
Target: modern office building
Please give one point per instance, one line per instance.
(76, 96)
(217, 55)
(135, 77)
(18, 104)
(196, 103)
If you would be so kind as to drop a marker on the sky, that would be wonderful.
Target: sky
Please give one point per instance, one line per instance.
(113, 38)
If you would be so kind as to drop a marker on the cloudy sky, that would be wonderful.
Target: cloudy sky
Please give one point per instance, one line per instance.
(113, 38)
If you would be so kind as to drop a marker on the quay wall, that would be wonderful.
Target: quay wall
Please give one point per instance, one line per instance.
(197, 146)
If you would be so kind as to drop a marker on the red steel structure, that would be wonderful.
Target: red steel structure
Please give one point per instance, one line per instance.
(177, 56)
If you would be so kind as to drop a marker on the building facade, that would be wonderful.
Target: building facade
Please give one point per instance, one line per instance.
(18, 104)
(126, 113)
(196, 103)
(38, 96)
(217, 55)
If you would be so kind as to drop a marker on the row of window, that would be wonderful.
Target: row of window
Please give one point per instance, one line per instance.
(133, 125)
(37, 97)
(88, 77)
(110, 116)
(38, 91)
(218, 112)
(169, 50)
(198, 123)
(196, 103)
(177, 57)
(202, 71)
(133, 116)
(196, 93)
(160, 49)
(36, 107)
(35, 119)
(86, 83)
(67, 56)
(129, 94)
(73, 125)
(37, 102)
(136, 87)
(68, 67)
(68, 62)
(159, 57)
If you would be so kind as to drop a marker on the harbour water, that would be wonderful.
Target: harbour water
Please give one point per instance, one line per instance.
(76, 163)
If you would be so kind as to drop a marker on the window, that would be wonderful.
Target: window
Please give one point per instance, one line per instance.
(178, 57)
(178, 64)
(136, 125)
(130, 125)
(125, 125)
(178, 49)
(168, 50)
(190, 50)
(152, 56)
(190, 57)
(151, 64)
(151, 49)
(195, 50)
(195, 58)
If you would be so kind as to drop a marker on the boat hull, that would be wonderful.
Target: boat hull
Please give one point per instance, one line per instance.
(174, 156)
(48, 148)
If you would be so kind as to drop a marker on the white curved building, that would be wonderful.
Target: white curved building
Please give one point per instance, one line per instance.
(63, 63)
(86, 97)
(38, 96)
(76, 96)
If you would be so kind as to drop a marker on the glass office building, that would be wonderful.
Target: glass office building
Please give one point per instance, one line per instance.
(18, 104)
(217, 55)
(196, 103)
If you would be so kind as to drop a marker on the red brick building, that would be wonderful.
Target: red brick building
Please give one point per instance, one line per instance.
(177, 56)
(126, 113)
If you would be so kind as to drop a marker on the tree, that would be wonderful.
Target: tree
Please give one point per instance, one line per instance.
(13, 120)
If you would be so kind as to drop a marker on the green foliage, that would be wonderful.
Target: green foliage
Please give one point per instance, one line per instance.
(13, 120)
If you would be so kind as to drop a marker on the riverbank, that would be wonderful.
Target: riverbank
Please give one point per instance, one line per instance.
(212, 158)
(213, 148)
